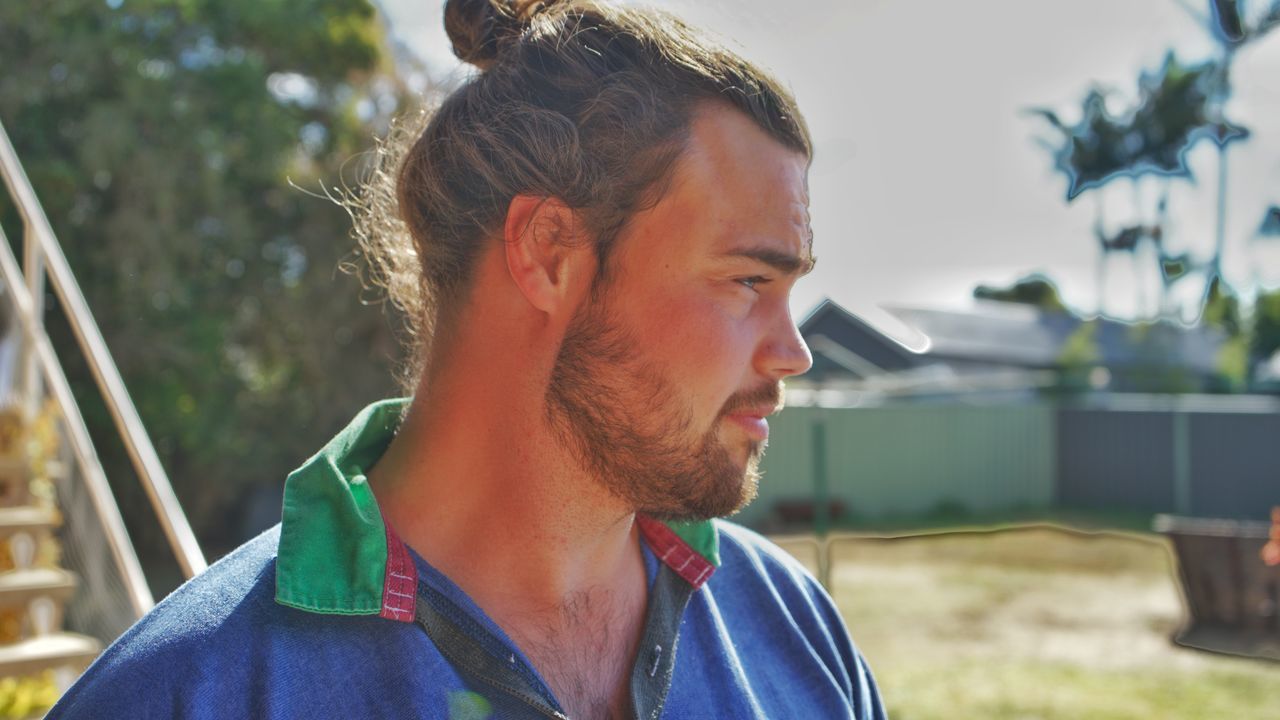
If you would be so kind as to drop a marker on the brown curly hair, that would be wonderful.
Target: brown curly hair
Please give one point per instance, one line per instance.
(577, 100)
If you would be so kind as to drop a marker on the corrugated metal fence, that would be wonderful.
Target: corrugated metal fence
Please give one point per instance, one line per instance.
(1202, 459)
(910, 460)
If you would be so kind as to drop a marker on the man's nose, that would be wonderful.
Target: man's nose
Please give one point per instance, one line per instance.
(785, 352)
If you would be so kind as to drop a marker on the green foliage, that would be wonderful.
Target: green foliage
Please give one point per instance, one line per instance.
(1265, 341)
(1156, 368)
(1079, 356)
(161, 137)
(1175, 110)
(1233, 365)
(1222, 309)
(1035, 290)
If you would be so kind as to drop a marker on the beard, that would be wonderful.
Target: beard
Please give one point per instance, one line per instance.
(624, 421)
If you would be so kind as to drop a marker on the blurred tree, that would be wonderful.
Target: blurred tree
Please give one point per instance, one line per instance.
(1231, 24)
(1175, 110)
(1035, 290)
(161, 137)
(1171, 115)
(1178, 106)
(1155, 365)
(1222, 311)
(1079, 357)
(1265, 340)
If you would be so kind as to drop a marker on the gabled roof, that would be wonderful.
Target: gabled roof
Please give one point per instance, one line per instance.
(1000, 333)
(844, 345)
(1011, 334)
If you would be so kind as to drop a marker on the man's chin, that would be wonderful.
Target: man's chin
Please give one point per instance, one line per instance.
(725, 501)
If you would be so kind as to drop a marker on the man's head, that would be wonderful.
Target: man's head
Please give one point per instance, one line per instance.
(682, 169)
(664, 377)
(576, 100)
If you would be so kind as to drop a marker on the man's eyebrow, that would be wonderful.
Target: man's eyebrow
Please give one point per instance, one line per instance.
(783, 262)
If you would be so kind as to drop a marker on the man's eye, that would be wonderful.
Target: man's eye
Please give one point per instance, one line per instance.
(751, 282)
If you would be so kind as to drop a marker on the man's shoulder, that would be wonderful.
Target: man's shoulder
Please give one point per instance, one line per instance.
(237, 589)
(786, 613)
(221, 646)
(208, 624)
(744, 553)
(756, 578)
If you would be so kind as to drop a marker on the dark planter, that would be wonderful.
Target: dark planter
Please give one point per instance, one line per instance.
(1233, 597)
(792, 513)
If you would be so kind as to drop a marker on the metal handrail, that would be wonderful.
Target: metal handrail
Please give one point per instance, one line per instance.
(39, 235)
(95, 479)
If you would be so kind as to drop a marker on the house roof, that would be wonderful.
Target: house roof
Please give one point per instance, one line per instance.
(996, 334)
(1020, 335)
(845, 345)
(1000, 333)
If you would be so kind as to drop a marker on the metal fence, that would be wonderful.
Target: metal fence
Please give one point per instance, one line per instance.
(1201, 456)
(908, 460)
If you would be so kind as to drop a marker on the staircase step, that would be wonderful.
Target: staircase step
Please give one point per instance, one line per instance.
(25, 518)
(46, 652)
(14, 464)
(21, 586)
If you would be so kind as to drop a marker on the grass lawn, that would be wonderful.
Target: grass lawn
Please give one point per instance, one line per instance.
(1034, 623)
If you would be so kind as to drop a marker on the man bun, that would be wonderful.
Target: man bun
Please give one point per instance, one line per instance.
(479, 28)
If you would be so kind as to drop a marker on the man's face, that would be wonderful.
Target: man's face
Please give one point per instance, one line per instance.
(665, 375)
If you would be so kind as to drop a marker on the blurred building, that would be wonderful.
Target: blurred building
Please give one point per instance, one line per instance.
(1008, 408)
(1000, 351)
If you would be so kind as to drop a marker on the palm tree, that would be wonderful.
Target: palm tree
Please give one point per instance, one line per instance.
(1174, 112)
(1232, 28)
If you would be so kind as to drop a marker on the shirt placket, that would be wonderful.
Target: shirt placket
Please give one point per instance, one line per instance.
(650, 676)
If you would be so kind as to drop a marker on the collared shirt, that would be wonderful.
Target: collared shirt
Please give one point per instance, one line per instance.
(331, 615)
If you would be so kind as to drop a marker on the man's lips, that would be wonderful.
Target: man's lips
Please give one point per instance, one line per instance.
(752, 422)
(748, 410)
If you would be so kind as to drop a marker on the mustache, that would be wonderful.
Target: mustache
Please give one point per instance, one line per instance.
(768, 395)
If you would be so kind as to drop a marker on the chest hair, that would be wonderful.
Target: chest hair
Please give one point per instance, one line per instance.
(585, 649)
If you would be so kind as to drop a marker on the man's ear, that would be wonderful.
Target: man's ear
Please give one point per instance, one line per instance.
(544, 244)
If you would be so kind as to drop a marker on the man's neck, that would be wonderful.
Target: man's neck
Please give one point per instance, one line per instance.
(546, 552)
(497, 506)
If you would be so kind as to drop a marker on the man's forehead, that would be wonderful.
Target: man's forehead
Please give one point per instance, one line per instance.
(722, 137)
(735, 172)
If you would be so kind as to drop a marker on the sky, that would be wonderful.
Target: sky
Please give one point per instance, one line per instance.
(927, 179)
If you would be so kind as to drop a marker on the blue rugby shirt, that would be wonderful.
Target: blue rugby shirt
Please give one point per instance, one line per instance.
(330, 615)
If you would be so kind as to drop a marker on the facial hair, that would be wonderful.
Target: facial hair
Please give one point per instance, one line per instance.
(625, 422)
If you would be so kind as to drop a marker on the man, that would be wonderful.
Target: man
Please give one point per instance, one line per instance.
(604, 229)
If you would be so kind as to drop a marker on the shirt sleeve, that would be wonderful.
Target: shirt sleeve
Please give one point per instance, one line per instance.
(815, 615)
(864, 694)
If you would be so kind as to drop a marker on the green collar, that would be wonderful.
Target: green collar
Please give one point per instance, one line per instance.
(338, 556)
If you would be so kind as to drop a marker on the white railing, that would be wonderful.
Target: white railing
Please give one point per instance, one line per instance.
(26, 286)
